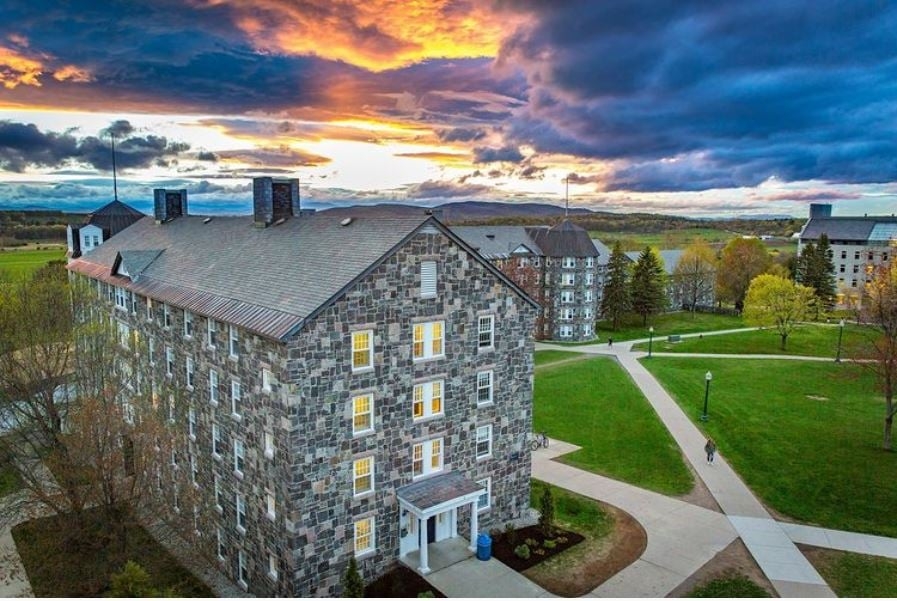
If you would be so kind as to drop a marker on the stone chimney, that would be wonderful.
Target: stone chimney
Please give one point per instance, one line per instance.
(274, 200)
(169, 204)
(820, 211)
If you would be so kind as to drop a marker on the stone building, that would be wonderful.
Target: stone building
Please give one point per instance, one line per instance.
(560, 266)
(99, 226)
(858, 244)
(351, 385)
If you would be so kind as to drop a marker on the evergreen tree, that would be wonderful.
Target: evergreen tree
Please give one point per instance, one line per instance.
(615, 303)
(816, 269)
(353, 585)
(546, 512)
(648, 286)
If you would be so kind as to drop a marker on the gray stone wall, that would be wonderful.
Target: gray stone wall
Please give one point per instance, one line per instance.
(554, 286)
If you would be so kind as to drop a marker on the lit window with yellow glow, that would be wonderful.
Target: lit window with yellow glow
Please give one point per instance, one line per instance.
(362, 350)
(362, 414)
(363, 475)
(428, 340)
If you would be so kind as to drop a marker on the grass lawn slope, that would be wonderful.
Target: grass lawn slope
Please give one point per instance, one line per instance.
(805, 436)
(593, 404)
(680, 322)
(546, 357)
(18, 263)
(855, 575)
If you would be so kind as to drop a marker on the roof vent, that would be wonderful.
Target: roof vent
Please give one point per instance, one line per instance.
(346, 221)
(490, 236)
(207, 219)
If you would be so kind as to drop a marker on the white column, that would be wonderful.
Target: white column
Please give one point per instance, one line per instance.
(473, 526)
(424, 567)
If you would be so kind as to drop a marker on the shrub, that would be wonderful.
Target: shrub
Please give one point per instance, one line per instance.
(353, 585)
(561, 540)
(550, 544)
(539, 551)
(510, 534)
(132, 581)
(546, 512)
(532, 543)
(522, 551)
(426, 595)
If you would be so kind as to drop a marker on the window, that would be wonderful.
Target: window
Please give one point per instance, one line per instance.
(190, 373)
(362, 414)
(428, 339)
(188, 324)
(566, 313)
(216, 441)
(241, 512)
(856, 255)
(567, 296)
(427, 400)
(166, 316)
(362, 350)
(569, 263)
(484, 441)
(217, 484)
(587, 312)
(169, 361)
(363, 475)
(121, 298)
(267, 379)
(191, 423)
(234, 347)
(151, 350)
(870, 257)
(212, 332)
(484, 387)
(566, 331)
(587, 297)
(590, 261)
(843, 254)
(587, 329)
(272, 566)
(842, 268)
(428, 279)
(124, 334)
(484, 501)
(213, 387)
(856, 268)
(364, 536)
(219, 537)
(194, 471)
(236, 398)
(568, 279)
(96, 240)
(590, 278)
(426, 457)
(134, 302)
(242, 571)
(486, 331)
(270, 506)
(149, 309)
(171, 407)
(239, 458)
(269, 444)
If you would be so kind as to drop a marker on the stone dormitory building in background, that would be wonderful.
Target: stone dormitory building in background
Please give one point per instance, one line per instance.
(351, 383)
(559, 266)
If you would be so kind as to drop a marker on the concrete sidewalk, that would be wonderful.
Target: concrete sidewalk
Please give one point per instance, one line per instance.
(473, 578)
(854, 542)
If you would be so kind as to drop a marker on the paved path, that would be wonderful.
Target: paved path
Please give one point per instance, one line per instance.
(473, 578)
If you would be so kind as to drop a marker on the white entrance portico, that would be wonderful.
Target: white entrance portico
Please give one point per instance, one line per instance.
(429, 513)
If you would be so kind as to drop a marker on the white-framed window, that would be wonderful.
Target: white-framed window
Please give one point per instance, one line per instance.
(567, 296)
(364, 536)
(272, 566)
(426, 457)
(267, 379)
(149, 309)
(486, 331)
(124, 334)
(362, 350)
(428, 340)
(270, 506)
(242, 570)
(217, 483)
(427, 401)
(216, 441)
(566, 313)
(194, 471)
(569, 263)
(220, 548)
(121, 298)
(363, 475)
(269, 444)
(484, 387)
(241, 512)
(213, 387)
(587, 312)
(568, 279)
(566, 331)
(96, 240)
(484, 441)
(239, 457)
(590, 261)
(587, 297)
(587, 329)
(212, 332)
(169, 361)
(590, 278)
(166, 315)
(171, 408)
(134, 302)
(484, 501)
(191, 423)
(427, 279)
(188, 324)
(236, 398)
(190, 372)
(151, 349)
(176, 502)
(234, 341)
(362, 413)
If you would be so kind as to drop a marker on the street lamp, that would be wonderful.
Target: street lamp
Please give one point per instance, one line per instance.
(650, 339)
(708, 376)
(840, 335)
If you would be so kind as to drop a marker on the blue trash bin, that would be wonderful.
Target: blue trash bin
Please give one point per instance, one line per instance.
(484, 547)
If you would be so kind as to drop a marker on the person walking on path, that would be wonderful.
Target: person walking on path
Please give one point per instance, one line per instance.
(610, 342)
(710, 449)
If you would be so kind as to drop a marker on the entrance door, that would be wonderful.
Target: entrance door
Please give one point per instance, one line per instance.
(431, 530)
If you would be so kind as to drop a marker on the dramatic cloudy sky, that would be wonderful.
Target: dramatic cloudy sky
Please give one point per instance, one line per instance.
(682, 107)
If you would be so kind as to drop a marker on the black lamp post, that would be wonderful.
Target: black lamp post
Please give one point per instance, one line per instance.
(840, 335)
(650, 340)
(708, 376)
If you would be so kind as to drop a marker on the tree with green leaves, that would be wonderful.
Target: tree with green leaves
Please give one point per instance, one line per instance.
(546, 512)
(616, 301)
(741, 261)
(816, 269)
(776, 301)
(648, 287)
(353, 585)
(695, 275)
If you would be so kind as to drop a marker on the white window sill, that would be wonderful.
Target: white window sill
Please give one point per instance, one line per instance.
(484, 509)
(485, 403)
(484, 457)
(241, 530)
(269, 453)
(429, 358)
(190, 387)
(362, 433)
(213, 402)
(238, 474)
(270, 516)
(365, 553)
(219, 509)
(425, 296)
(216, 456)
(486, 349)
(428, 418)
(233, 357)
(236, 417)
(362, 370)
(360, 496)
(192, 437)
(272, 576)
(243, 585)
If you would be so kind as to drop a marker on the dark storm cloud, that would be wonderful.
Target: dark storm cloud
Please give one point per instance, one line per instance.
(695, 95)
(23, 144)
(510, 154)
(461, 134)
(445, 189)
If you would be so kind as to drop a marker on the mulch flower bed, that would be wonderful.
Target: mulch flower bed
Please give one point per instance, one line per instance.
(503, 548)
(400, 582)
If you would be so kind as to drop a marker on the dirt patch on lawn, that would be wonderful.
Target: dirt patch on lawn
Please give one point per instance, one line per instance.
(592, 562)
(734, 559)
(699, 494)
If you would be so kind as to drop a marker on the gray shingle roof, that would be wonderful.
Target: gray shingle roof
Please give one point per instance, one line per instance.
(114, 217)
(563, 240)
(843, 228)
(498, 241)
(669, 258)
(438, 490)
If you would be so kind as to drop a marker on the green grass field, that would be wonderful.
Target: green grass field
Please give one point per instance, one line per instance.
(731, 586)
(813, 340)
(678, 238)
(805, 436)
(593, 404)
(855, 575)
(680, 322)
(549, 357)
(20, 263)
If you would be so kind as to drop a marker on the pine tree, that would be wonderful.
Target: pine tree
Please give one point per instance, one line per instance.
(546, 512)
(816, 269)
(353, 585)
(648, 286)
(615, 303)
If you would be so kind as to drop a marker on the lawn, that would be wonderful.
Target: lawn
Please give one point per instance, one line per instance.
(679, 322)
(673, 238)
(17, 263)
(816, 340)
(855, 575)
(58, 567)
(548, 357)
(593, 404)
(730, 586)
(805, 436)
